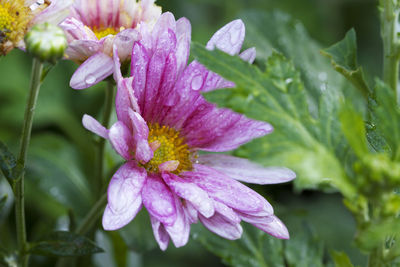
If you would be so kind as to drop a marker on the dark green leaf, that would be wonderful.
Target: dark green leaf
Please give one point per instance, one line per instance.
(8, 163)
(343, 57)
(341, 259)
(63, 244)
(254, 249)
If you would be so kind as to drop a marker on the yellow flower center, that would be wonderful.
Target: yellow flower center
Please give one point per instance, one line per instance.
(103, 32)
(14, 20)
(171, 147)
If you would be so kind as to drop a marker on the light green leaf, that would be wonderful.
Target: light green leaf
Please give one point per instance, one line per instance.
(64, 244)
(354, 129)
(341, 259)
(343, 57)
(387, 117)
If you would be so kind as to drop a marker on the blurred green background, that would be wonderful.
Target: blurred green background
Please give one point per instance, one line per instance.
(60, 165)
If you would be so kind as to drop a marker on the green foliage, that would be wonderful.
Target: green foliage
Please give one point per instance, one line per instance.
(256, 248)
(3, 201)
(8, 163)
(341, 259)
(278, 96)
(343, 57)
(64, 244)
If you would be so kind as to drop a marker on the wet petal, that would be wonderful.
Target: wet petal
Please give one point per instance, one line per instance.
(180, 230)
(191, 192)
(93, 70)
(143, 151)
(246, 171)
(158, 200)
(124, 198)
(228, 191)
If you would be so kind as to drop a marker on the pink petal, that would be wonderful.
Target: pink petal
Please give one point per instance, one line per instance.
(160, 234)
(121, 139)
(93, 70)
(139, 65)
(124, 198)
(227, 212)
(180, 230)
(80, 50)
(141, 133)
(190, 212)
(229, 38)
(158, 200)
(94, 126)
(228, 191)
(124, 41)
(183, 35)
(54, 13)
(221, 129)
(168, 166)
(269, 224)
(191, 192)
(219, 225)
(249, 55)
(75, 30)
(246, 171)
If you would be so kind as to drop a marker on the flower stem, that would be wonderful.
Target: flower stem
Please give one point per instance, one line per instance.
(108, 103)
(18, 186)
(93, 215)
(391, 50)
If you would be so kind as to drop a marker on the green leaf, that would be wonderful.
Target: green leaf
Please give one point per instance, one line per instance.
(64, 244)
(341, 259)
(278, 97)
(354, 129)
(343, 57)
(387, 117)
(8, 163)
(254, 249)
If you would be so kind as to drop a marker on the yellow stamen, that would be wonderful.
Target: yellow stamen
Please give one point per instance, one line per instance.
(103, 32)
(172, 147)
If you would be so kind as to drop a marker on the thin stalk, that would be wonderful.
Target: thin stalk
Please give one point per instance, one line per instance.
(391, 53)
(18, 187)
(108, 104)
(93, 215)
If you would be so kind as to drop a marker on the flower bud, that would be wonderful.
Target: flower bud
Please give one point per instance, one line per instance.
(46, 42)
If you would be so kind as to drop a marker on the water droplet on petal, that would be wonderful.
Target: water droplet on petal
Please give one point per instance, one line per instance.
(90, 79)
(197, 82)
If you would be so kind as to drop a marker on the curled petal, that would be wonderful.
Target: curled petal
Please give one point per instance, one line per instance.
(221, 226)
(141, 132)
(269, 224)
(121, 139)
(249, 55)
(247, 171)
(159, 200)
(160, 234)
(94, 126)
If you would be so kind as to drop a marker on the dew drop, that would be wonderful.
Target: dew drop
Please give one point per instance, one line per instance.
(90, 79)
(197, 82)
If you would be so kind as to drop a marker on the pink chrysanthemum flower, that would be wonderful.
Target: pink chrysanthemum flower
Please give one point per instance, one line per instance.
(163, 121)
(18, 16)
(95, 26)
